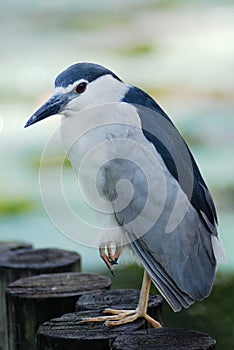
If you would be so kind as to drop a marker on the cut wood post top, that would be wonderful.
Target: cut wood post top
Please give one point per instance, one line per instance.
(68, 332)
(120, 299)
(164, 338)
(38, 259)
(16, 264)
(73, 326)
(13, 245)
(33, 300)
(126, 298)
(57, 285)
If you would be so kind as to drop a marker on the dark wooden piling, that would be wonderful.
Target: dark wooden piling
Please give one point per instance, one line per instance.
(28, 262)
(5, 248)
(13, 245)
(67, 333)
(164, 338)
(119, 299)
(34, 300)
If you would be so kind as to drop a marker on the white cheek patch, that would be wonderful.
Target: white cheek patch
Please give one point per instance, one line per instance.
(69, 88)
(103, 90)
(107, 89)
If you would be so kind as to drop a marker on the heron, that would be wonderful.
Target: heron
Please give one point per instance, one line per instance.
(154, 199)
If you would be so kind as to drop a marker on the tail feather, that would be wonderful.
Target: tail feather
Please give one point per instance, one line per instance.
(218, 248)
(166, 286)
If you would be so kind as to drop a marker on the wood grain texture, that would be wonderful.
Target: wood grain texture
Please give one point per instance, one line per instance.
(119, 299)
(34, 300)
(68, 333)
(15, 264)
(165, 338)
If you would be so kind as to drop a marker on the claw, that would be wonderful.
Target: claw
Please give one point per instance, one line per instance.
(113, 258)
(110, 259)
(106, 260)
(116, 255)
(110, 256)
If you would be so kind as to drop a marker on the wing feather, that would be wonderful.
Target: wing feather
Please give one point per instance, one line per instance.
(181, 263)
(168, 142)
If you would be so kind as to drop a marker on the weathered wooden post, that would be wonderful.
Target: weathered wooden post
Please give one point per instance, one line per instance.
(68, 333)
(34, 300)
(5, 247)
(164, 338)
(27, 262)
(125, 299)
(13, 245)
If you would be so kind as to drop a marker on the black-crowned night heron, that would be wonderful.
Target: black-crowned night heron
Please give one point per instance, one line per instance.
(131, 159)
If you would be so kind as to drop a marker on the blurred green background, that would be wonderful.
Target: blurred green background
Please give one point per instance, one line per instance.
(181, 52)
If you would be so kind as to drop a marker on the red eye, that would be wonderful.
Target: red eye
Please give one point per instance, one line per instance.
(81, 87)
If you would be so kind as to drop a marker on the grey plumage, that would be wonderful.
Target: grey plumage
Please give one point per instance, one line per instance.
(140, 164)
(181, 263)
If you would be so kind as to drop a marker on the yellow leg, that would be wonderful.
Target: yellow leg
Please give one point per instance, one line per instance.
(119, 317)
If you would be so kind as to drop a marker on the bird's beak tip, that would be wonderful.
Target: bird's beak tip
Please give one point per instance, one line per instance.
(53, 106)
(26, 125)
(31, 121)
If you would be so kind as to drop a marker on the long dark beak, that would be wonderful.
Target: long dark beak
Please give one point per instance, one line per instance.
(53, 106)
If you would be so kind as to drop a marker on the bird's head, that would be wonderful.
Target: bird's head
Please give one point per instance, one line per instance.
(78, 87)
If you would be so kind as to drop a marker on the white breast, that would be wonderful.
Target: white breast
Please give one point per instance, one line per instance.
(88, 140)
(88, 132)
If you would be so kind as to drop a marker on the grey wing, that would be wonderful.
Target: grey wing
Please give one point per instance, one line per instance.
(181, 263)
(161, 132)
(180, 260)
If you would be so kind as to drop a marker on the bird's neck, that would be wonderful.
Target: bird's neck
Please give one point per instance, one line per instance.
(94, 135)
